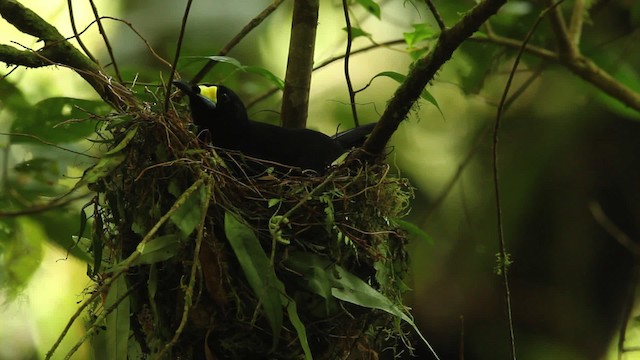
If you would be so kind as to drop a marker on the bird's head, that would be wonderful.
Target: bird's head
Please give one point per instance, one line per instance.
(214, 107)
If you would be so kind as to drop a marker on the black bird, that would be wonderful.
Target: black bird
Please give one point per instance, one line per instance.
(222, 119)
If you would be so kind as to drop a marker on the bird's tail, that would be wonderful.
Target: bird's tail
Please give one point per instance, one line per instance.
(353, 137)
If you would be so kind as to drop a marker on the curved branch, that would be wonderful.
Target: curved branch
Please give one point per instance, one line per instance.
(57, 51)
(423, 72)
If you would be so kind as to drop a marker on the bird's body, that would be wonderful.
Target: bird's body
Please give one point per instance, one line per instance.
(222, 119)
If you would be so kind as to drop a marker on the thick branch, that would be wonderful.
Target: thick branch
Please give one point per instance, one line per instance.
(423, 72)
(56, 51)
(295, 99)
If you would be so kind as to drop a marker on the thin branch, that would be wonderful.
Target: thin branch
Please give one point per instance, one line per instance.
(183, 28)
(58, 51)
(95, 326)
(566, 48)
(126, 264)
(612, 229)
(347, 54)
(236, 39)
(41, 140)
(436, 14)
(76, 35)
(106, 40)
(576, 22)
(424, 71)
(329, 61)
(517, 44)
(195, 264)
(496, 178)
(579, 65)
(36, 209)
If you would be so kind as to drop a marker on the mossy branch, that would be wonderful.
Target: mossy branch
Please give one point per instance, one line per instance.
(424, 71)
(57, 51)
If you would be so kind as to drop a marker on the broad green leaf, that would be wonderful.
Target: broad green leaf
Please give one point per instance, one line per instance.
(124, 142)
(189, 214)
(159, 249)
(414, 230)
(275, 80)
(352, 289)
(257, 269)
(421, 32)
(103, 167)
(58, 120)
(357, 32)
(12, 98)
(226, 60)
(266, 74)
(292, 311)
(371, 7)
(21, 254)
(117, 333)
(426, 95)
(315, 270)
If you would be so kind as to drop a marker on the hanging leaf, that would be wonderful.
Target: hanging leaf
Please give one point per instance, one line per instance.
(159, 249)
(275, 80)
(371, 7)
(257, 269)
(357, 32)
(426, 95)
(189, 214)
(414, 230)
(117, 334)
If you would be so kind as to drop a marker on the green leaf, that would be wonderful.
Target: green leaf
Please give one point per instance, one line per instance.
(315, 270)
(371, 7)
(103, 167)
(357, 32)
(274, 202)
(159, 249)
(421, 32)
(226, 60)
(266, 74)
(117, 333)
(12, 98)
(257, 269)
(20, 254)
(49, 120)
(124, 142)
(189, 214)
(275, 80)
(414, 230)
(352, 289)
(426, 95)
(292, 311)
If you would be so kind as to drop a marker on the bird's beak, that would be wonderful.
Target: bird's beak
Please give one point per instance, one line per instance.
(186, 88)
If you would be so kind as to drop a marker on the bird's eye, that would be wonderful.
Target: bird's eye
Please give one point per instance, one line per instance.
(224, 97)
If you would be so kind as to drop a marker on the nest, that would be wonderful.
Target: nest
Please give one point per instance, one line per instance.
(334, 255)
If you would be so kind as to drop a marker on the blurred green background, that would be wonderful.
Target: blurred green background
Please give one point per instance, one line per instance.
(564, 148)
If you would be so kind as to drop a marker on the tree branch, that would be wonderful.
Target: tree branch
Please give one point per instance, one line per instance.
(57, 51)
(236, 39)
(423, 72)
(295, 98)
